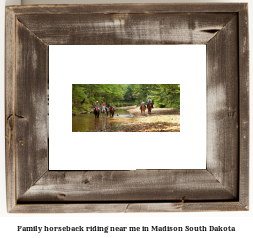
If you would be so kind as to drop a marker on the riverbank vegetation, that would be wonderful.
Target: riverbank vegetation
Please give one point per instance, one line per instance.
(84, 96)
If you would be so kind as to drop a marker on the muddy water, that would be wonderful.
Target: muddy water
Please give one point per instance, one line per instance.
(88, 122)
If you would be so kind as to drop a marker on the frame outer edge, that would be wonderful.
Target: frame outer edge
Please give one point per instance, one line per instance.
(10, 70)
(129, 207)
(244, 106)
(127, 8)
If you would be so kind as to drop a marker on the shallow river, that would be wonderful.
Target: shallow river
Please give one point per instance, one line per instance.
(88, 122)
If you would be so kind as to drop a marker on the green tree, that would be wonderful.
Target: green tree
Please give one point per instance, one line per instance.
(84, 96)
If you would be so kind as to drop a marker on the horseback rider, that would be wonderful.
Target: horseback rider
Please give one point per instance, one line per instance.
(142, 103)
(150, 101)
(112, 106)
(96, 104)
(104, 106)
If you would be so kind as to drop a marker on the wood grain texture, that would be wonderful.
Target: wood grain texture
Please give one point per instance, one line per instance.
(139, 185)
(129, 207)
(9, 109)
(186, 207)
(129, 8)
(223, 107)
(30, 109)
(244, 106)
(121, 29)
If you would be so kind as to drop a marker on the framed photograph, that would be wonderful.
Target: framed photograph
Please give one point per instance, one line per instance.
(32, 35)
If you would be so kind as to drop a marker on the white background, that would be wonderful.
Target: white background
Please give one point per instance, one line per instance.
(242, 220)
(127, 64)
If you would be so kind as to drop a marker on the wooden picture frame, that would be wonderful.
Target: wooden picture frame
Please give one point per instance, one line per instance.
(222, 186)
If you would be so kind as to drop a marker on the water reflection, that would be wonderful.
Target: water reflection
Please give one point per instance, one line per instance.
(104, 124)
(97, 124)
(88, 122)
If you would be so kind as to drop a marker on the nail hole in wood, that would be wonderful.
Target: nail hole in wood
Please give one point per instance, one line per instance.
(183, 199)
(61, 195)
(86, 181)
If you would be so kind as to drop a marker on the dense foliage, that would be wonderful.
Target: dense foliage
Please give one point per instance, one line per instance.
(162, 95)
(84, 96)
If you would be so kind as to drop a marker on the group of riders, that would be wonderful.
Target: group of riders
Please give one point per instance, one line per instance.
(149, 101)
(104, 108)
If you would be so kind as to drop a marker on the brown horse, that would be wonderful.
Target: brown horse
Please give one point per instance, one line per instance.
(96, 112)
(149, 108)
(143, 108)
(111, 110)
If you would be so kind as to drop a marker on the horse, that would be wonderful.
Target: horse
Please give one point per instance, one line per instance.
(111, 110)
(96, 112)
(143, 108)
(149, 108)
(103, 110)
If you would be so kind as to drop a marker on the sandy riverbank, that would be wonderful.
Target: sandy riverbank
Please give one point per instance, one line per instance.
(160, 120)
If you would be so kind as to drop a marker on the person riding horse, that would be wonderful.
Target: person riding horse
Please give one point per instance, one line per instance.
(104, 108)
(111, 104)
(150, 101)
(110, 109)
(96, 104)
(142, 103)
(143, 107)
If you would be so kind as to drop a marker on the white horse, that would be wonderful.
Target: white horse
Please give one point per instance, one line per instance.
(103, 110)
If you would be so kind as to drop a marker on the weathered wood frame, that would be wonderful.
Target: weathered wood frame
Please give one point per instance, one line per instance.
(222, 186)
